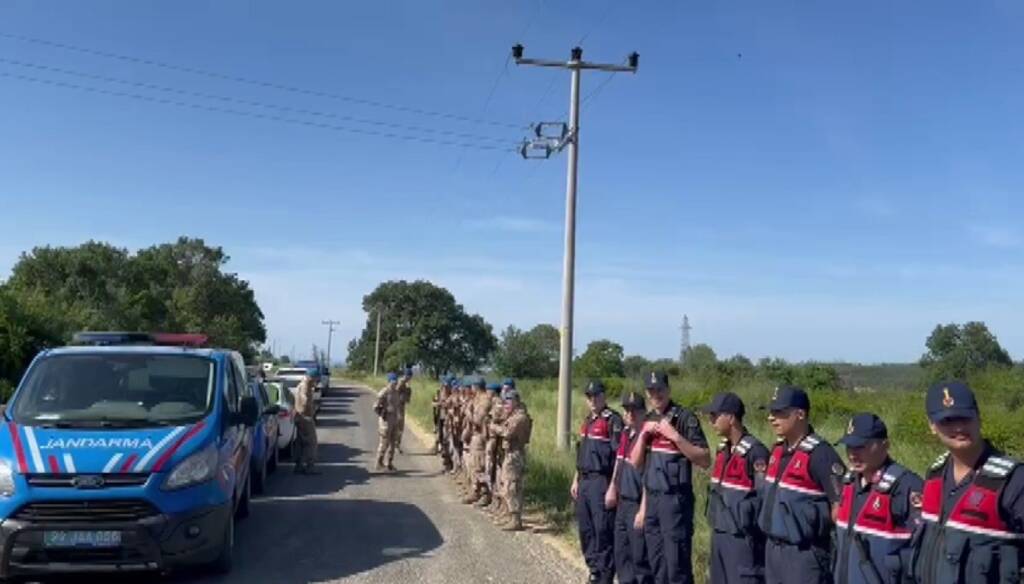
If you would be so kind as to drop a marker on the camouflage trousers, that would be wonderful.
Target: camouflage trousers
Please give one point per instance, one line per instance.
(513, 470)
(389, 436)
(476, 463)
(307, 441)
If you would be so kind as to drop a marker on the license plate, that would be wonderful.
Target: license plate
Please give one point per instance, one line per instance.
(81, 539)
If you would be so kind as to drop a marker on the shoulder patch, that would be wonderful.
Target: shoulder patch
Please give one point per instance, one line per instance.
(838, 469)
(916, 499)
(745, 444)
(692, 422)
(809, 443)
(998, 466)
(760, 466)
(941, 460)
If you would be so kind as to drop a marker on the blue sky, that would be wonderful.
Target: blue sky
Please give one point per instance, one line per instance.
(807, 181)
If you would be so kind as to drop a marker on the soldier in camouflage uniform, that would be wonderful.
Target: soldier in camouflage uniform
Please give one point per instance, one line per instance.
(479, 414)
(496, 446)
(387, 408)
(515, 430)
(405, 396)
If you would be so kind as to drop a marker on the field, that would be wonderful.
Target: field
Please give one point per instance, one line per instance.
(549, 472)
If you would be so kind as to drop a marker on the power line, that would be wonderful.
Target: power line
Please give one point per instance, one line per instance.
(258, 83)
(247, 102)
(182, 104)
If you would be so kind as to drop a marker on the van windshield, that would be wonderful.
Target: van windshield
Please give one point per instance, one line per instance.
(115, 389)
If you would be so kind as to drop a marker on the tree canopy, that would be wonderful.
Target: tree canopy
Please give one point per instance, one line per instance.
(602, 359)
(528, 354)
(957, 351)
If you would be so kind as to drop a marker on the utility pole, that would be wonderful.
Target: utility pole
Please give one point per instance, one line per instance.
(570, 136)
(376, 347)
(330, 335)
(684, 347)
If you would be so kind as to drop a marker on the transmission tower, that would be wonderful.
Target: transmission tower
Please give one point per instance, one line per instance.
(685, 345)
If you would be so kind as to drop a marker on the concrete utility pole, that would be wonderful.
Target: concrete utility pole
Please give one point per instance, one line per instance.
(330, 335)
(547, 144)
(376, 347)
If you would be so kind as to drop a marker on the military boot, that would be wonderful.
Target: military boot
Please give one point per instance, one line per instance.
(380, 464)
(472, 497)
(515, 523)
(485, 500)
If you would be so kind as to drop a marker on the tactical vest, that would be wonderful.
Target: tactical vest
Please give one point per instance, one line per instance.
(795, 507)
(596, 453)
(733, 502)
(871, 547)
(631, 481)
(668, 471)
(970, 542)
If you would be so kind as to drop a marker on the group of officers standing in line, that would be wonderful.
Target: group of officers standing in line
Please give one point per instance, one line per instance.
(481, 432)
(795, 514)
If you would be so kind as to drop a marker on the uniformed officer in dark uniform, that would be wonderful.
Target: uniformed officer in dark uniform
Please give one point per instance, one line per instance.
(876, 516)
(631, 562)
(734, 495)
(802, 483)
(671, 443)
(595, 463)
(972, 507)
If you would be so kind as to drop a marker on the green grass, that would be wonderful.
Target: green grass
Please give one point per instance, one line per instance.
(549, 472)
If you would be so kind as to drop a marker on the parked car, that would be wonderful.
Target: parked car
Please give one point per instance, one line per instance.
(264, 440)
(125, 454)
(291, 376)
(286, 431)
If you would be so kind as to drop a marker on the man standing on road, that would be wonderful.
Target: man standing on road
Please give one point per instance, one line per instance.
(515, 430)
(876, 517)
(441, 441)
(479, 414)
(625, 494)
(973, 501)
(802, 484)
(737, 544)
(305, 414)
(671, 443)
(595, 464)
(405, 396)
(495, 415)
(387, 408)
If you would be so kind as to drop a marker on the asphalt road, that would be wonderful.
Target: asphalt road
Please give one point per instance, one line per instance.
(351, 524)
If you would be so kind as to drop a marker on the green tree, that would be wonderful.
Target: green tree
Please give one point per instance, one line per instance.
(700, 359)
(602, 359)
(669, 366)
(737, 367)
(446, 338)
(816, 376)
(528, 354)
(957, 351)
(636, 366)
(401, 354)
(21, 337)
(776, 370)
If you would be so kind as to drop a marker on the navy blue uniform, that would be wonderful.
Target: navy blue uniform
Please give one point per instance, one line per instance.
(668, 480)
(595, 463)
(631, 562)
(734, 503)
(874, 525)
(800, 486)
(971, 531)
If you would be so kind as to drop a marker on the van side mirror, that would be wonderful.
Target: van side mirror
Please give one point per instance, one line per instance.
(249, 411)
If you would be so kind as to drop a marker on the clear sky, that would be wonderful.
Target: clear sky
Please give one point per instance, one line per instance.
(805, 180)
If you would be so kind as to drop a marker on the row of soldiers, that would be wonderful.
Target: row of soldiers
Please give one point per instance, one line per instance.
(795, 514)
(481, 433)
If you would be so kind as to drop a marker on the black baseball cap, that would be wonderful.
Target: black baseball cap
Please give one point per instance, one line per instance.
(864, 428)
(656, 380)
(726, 403)
(950, 399)
(594, 388)
(634, 401)
(789, 396)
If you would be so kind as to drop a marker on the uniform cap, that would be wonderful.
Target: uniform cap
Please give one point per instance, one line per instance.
(312, 372)
(493, 387)
(950, 399)
(633, 401)
(594, 388)
(392, 377)
(726, 403)
(509, 382)
(864, 428)
(446, 381)
(789, 396)
(656, 380)
(480, 383)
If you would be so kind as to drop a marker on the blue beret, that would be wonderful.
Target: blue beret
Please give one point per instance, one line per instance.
(509, 382)
(313, 372)
(493, 387)
(392, 377)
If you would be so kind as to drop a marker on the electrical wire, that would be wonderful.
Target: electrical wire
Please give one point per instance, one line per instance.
(247, 102)
(258, 83)
(216, 109)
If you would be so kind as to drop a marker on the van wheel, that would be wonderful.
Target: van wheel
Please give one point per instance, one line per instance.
(225, 559)
(272, 463)
(243, 506)
(258, 476)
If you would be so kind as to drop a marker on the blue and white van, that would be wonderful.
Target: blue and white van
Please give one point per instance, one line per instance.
(125, 452)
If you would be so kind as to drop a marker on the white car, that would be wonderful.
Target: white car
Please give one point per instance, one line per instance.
(285, 399)
(291, 376)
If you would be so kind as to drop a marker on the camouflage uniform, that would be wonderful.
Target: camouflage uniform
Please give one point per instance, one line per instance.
(516, 430)
(387, 408)
(495, 449)
(305, 412)
(405, 396)
(479, 410)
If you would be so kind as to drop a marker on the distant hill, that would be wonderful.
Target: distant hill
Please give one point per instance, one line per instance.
(904, 376)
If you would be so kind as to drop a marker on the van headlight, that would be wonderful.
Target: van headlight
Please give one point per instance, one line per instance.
(6, 479)
(198, 468)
